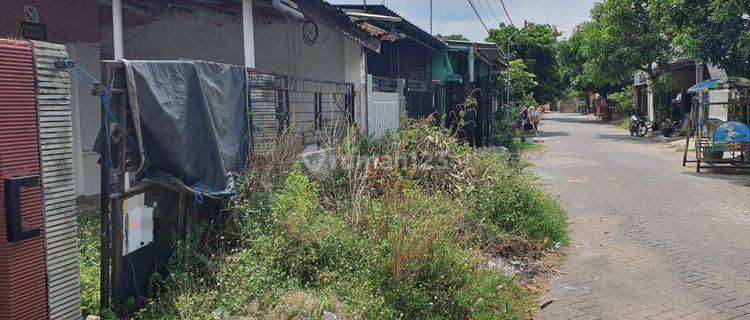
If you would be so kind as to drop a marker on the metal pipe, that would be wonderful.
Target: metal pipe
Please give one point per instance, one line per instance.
(117, 38)
(247, 33)
(285, 9)
(374, 16)
(104, 253)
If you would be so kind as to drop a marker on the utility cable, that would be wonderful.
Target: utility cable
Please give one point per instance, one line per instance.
(507, 14)
(495, 17)
(474, 8)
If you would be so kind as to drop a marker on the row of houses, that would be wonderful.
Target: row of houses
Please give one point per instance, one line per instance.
(674, 103)
(389, 63)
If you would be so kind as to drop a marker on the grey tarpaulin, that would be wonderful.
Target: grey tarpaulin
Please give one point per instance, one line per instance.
(190, 121)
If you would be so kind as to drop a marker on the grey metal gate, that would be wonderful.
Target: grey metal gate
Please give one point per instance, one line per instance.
(309, 107)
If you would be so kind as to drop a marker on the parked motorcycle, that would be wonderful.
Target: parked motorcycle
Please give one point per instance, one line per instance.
(639, 126)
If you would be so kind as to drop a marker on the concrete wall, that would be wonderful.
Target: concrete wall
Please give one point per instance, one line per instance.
(66, 21)
(58, 181)
(86, 120)
(197, 33)
(171, 33)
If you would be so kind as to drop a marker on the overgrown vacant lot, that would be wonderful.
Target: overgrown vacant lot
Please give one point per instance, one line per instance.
(402, 229)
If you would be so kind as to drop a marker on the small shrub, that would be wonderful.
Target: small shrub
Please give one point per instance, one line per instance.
(622, 102)
(300, 305)
(516, 206)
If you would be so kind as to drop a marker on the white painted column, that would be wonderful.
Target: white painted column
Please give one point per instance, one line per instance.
(248, 38)
(117, 29)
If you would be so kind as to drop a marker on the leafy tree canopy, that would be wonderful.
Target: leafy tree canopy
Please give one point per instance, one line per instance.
(522, 81)
(452, 37)
(581, 66)
(622, 37)
(717, 31)
(536, 46)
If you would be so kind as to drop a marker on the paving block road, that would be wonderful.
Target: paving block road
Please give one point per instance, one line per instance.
(650, 239)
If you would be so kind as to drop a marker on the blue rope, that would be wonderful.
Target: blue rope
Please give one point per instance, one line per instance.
(198, 195)
(108, 116)
(75, 70)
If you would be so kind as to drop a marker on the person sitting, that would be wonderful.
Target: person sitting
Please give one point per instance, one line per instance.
(536, 118)
(528, 125)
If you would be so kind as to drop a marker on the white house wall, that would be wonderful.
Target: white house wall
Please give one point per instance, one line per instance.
(197, 34)
(86, 110)
(215, 36)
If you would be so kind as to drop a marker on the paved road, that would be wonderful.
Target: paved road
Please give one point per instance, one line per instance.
(650, 239)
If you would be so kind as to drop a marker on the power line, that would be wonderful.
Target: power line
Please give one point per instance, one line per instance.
(474, 8)
(507, 14)
(495, 17)
(483, 11)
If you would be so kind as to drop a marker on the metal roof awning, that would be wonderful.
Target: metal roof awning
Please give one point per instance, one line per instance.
(396, 26)
(336, 19)
(719, 83)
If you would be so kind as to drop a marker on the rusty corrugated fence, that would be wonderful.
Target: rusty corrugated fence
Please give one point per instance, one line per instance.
(22, 267)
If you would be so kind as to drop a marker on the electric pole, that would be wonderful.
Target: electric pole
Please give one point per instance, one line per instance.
(430, 17)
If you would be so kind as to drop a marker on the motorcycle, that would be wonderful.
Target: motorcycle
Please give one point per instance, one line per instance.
(639, 126)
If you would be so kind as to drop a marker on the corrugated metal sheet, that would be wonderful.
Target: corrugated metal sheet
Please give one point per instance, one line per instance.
(58, 182)
(22, 267)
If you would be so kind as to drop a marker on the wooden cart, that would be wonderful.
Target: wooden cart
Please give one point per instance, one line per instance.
(719, 141)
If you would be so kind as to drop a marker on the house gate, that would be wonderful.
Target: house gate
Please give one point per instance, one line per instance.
(277, 103)
(384, 97)
(485, 100)
(309, 107)
(421, 98)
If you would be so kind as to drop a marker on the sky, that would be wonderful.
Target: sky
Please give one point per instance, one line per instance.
(456, 16)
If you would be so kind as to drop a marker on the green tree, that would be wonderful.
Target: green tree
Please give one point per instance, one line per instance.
(629, 37)
(581, 70)
(622, 37)
(622, 102)
(459, 37)
(536, 46)
(717, 31)
(521, 86)
(522, 82)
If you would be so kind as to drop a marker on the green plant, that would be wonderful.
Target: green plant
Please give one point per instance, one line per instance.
(622, 102)
(516, 206)
(504, 124)
(88, 261)
(373, 240)
(623, 124)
